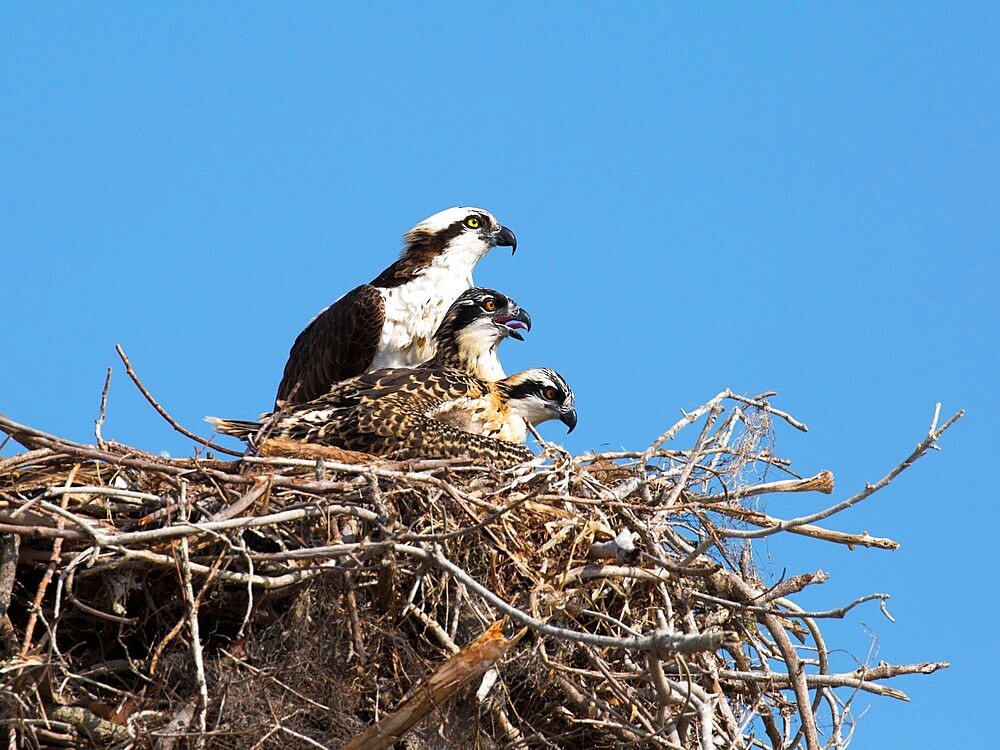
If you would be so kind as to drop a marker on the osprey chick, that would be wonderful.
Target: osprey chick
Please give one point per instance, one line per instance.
(470, 334)
(391, 321)
(532, 396)
(395, 413)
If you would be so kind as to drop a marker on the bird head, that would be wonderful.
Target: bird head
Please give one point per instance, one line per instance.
(539, 395)
(486, 316)
(472, 330)
(462, 227)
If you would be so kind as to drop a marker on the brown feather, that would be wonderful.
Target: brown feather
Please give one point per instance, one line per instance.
(422, 247)
(391, 413)
(340, 343)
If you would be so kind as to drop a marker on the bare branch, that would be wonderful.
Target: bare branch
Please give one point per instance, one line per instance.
(456, 673)
(163, 412)
(926, 444)
(192, 619)
(104, 405)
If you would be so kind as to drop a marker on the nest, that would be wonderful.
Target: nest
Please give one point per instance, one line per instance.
(597, 601)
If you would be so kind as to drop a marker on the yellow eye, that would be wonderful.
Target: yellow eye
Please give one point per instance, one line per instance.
(489, 304)
(550, 394)
(472, 222)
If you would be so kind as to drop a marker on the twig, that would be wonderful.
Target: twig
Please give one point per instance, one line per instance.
(822, 482)
(47, 577)
(304, 738)
(762, 404)
(816, 532)
(104, 406)
(261, 673)
(9, 546)
(860, 680)
(932, 437)
(688, 418)
(656, 642)
(116, 492)
(182, 529)
(694, 457)
(838, 613)
(191, 604)
(163, 412)
(88, 725)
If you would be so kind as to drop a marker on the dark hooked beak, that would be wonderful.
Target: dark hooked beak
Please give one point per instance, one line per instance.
(506, 238)
(567, 416)
(512, 320)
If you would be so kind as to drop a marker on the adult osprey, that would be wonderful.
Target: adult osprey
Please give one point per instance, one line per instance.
(406, 413)
(391, 321)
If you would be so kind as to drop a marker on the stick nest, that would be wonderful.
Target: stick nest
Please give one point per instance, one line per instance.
(283, 602)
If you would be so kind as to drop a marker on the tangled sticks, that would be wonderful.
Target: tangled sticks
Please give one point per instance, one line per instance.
(578, 601)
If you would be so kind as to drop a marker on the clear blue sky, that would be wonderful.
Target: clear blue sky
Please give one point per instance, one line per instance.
(798, 197)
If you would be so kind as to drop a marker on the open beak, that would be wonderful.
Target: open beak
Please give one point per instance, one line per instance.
(567, 416)
(512, 321)
(505, 238)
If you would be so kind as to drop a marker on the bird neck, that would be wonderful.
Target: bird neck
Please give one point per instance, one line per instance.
(428, 255)
(469, 356)
(458, 258)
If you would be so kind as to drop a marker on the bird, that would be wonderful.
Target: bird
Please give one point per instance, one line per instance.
(423, 412)
(472, 330)
(391, 321)
(532, 396)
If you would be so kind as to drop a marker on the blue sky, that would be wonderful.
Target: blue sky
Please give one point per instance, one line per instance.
(797, 197)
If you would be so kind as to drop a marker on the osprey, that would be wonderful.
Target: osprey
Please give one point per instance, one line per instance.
(470, 334)
(423, 413)
(391, 321)
(504, 411)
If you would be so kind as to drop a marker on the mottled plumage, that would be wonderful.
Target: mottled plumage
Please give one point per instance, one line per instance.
(391, 321)
(424, 413)
(505, 410)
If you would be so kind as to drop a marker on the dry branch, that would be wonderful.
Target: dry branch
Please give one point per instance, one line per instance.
(454, 675)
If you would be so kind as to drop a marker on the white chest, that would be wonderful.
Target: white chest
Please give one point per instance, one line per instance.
(413, 312)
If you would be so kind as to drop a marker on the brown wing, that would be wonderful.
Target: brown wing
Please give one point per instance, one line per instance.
(426, 437)
(339, 344)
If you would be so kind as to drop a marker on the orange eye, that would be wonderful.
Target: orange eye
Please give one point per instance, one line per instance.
(550, 394)
(472, 222)
(489, 304)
